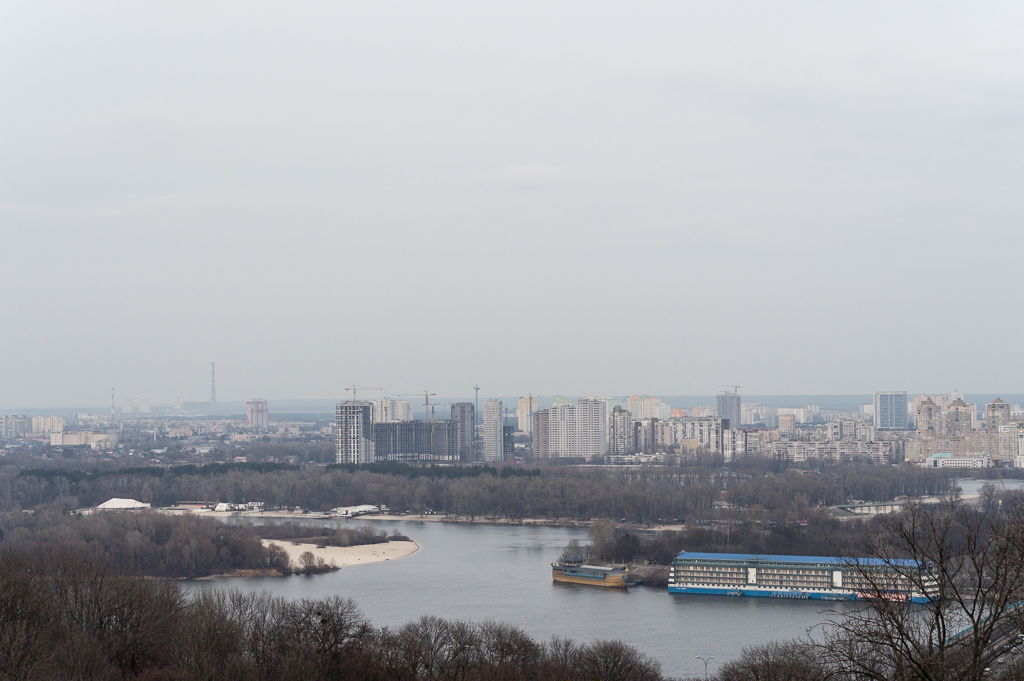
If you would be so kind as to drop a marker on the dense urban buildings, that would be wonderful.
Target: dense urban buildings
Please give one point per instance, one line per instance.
(16, 425)
(941, 431)
(950, 435)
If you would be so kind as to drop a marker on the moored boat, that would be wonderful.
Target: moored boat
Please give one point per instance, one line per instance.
(574, 572)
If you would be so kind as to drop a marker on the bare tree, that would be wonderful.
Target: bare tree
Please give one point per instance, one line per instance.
(616, 661)
(575, 550)
(965, 562)
(776, 661)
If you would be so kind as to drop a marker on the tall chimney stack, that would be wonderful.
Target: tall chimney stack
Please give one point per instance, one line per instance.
(213, 383)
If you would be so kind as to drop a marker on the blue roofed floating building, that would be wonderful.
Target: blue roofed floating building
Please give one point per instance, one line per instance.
(801, 577)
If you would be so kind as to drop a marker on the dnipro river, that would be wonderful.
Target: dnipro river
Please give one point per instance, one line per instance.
(479, 572)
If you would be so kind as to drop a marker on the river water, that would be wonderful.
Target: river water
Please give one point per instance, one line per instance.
(972, 487)
(479, 572)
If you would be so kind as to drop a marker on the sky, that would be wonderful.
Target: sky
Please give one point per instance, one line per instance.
(545, 197)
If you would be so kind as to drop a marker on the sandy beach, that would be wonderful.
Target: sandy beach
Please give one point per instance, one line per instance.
(345, 556)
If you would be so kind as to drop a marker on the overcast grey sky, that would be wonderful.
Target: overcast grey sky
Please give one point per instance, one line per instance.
(548, 197)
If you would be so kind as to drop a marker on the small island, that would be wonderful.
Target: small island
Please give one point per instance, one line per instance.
(145, 542)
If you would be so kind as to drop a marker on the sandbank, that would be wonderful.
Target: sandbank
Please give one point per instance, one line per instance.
(345, 556)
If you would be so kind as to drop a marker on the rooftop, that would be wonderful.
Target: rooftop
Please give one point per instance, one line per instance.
(770, 558)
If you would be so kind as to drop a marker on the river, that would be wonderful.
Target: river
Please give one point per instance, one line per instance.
(969, 487)
(479, 572)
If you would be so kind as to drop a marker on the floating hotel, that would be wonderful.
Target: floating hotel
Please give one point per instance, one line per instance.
(574, 572)
(803, 577)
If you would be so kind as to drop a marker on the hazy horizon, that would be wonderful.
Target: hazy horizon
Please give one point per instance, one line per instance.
(325, 406)
(664, 198)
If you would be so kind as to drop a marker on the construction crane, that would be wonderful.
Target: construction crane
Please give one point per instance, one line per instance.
(354, 388)
(426, 401)
(735, 388)
(436, 404)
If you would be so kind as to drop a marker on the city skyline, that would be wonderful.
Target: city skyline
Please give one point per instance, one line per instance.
(552, 301)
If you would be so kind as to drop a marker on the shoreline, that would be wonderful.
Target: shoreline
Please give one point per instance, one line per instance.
(461, 520)
(347, 556)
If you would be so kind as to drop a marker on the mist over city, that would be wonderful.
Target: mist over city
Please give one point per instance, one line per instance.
(547, 341)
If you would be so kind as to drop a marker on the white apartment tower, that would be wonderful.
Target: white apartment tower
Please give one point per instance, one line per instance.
(492, 439)
(353, 432)
(578, 430)
(591, 428)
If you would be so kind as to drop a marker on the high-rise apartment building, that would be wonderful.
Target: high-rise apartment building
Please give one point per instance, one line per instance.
(959, 418)
(997, 414)
(574, 430)
(591, 428)
(891, 410)
(353, 432)
(929, 417)
(620, 435)
(464, 414)
(730, 406)
(402, 411)
(257, 413)
(707, 432)
(787, 424)
(508, 443)
(541, 434)
(562, 429)
(492, 436)
(387, 410)
(647, 407)
(527, 405)
(16, 425)
(849, 430)
(381, 410)
(47, 424)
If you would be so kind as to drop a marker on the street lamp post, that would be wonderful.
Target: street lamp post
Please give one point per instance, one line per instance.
(705, 660)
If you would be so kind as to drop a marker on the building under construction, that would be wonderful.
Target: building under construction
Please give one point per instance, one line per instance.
(415, 441)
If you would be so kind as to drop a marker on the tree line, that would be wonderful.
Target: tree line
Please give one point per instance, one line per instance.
(63, 615)
(821, 535)
(643, 495)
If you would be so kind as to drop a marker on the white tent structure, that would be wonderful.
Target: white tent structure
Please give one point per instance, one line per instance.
(116, 504)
